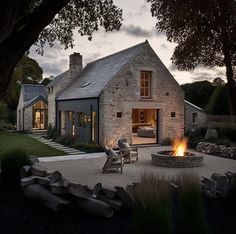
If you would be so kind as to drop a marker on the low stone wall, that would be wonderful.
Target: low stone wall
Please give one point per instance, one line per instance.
(212, 148)
(161, 160)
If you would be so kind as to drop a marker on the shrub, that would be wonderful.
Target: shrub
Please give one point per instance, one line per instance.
(10, 126)
(92, 147)
(67, 140)
(52, 132)
(11, 164)
(195, 136)
(152, 205)
(192, 219)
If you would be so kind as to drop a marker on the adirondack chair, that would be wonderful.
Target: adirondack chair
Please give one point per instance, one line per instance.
(129, 154)
(114, 160)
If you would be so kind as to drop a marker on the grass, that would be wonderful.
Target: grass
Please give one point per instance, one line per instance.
(152, 209)
(10, 141)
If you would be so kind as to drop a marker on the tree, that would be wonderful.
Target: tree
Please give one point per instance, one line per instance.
(45, 81)
(218, 82)
(205, 33)
(24, 23)
(27, 71)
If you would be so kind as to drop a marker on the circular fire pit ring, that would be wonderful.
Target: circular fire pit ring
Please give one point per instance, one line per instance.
(167, 159)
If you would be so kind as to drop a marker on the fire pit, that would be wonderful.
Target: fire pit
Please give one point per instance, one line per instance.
(178, 157)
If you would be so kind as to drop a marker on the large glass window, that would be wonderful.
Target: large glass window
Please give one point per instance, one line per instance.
(40, 115)
(145, 84)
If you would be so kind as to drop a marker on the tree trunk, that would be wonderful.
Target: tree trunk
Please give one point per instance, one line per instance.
(231, 80)
(23, 31)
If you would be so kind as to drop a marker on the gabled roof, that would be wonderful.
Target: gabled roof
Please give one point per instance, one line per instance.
(30, 91)
(194, 106)
(34, 100)
(58, 78)
(96, 75)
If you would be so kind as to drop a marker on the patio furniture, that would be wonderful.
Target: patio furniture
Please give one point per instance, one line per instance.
(127, 152)
(146, 132)
(114, 160)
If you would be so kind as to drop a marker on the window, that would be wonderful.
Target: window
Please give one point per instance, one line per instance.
(172, 114)
(194, 117)
(48, 90)
(119, 115)
(145, 84)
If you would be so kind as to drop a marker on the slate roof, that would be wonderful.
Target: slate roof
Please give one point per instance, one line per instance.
(58, 78)
(194, 106)
(32, 91)
(97, 74)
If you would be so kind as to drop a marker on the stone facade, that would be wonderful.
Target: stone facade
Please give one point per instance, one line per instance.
(61, 82)
(20, 115)
(195, 117)
(122, 94)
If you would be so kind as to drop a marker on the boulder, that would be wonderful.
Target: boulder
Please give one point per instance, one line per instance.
(209, 186)
(25, 171)
(55, 176)
(116, 205)
(108, 192)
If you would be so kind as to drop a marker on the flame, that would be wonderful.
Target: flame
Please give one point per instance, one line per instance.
(180, 146)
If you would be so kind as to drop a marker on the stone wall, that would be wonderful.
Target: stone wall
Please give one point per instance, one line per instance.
(122, 94)
(57, 87)
(201, 117)
(19, 122)
(28, 121)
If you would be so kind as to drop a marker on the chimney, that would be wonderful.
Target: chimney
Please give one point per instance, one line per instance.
(76, 64)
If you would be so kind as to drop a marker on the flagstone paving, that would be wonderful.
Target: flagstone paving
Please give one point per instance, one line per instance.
(88, 169)
(56, 145)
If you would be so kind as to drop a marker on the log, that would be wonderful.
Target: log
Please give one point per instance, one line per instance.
(37, 170)
(38, 193)
(109, 192)
(28, 180)
(94, 207)
(55, 176)
(116, 205)
(124, 197)
(82, 192)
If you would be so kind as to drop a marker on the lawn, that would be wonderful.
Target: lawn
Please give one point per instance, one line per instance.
(10, 141)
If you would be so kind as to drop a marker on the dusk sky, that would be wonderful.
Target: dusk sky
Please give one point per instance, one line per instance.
(138, 25)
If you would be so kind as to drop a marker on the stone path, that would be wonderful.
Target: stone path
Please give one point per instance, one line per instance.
(55, 145)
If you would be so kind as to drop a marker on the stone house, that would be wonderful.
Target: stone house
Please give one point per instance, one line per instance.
(126, 94)
(61, 82)
(195, 117)
(32, 109)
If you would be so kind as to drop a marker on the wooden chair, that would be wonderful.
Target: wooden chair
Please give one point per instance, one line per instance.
(128, 153)
(114, 160)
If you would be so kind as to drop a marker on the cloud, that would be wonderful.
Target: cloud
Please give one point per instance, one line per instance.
(137, 31)
(163, 46)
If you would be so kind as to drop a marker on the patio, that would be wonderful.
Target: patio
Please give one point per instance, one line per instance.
(89, 171)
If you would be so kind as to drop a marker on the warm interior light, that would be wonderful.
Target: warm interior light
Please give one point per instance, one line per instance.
(180, 146)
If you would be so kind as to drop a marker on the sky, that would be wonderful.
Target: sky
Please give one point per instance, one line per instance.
(137, 26)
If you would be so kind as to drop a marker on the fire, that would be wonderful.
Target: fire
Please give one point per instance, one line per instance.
(180, 146)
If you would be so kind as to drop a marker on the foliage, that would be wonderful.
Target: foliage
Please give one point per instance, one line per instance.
(11, 164)
(198, 92)
(39, 22)
(217, 104)
(10, 126)
(152, 205)
(192, 218)
(89, 147)
(45, 81)
(204, 32)
(195, 136)
(52, 132)
(67, 139)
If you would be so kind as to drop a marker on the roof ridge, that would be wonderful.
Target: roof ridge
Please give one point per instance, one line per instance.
(31, 84)
(118, 52)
